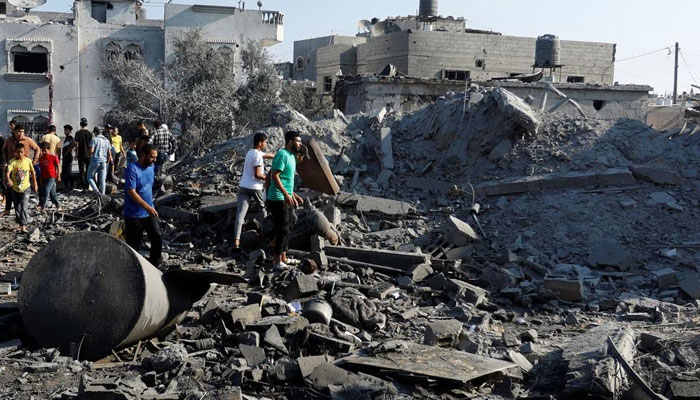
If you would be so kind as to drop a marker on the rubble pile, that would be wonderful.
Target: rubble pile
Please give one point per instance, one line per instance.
(485, 251)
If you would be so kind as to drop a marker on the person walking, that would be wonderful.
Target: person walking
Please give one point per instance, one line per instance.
(83, 138)
(139, 212)
(8, 149)
(50, 168)
(100, 150)
(251, 186)
(164, 141)
(3, 194)
(67, 151)
(281, 196)
(19, 175)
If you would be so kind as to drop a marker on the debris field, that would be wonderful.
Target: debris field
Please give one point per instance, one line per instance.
(478, 250)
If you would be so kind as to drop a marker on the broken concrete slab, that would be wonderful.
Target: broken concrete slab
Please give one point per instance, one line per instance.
(520, 360)
(666, 278)
(458, 232)
(315, 172)
(566, 289)
(387, 157)
(657, 175)
(400, 358)
(420, 272)
(444, 333)
(559, 180)
(611, 254)
(217, 204)
(178, 214)
(376, 205)
(429, 185)
(301, 286)
(272, 338)
(254, 356)
(690, 284)
(397, 259)
(307, 365)
(591, 371)
(663, 198)
(247, 314)
(460, 290)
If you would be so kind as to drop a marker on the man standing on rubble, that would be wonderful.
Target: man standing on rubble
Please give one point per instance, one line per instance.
(164, 141)
(281, 196)
(101, 153)
(252, 182)
(139, 212)
(83, 138)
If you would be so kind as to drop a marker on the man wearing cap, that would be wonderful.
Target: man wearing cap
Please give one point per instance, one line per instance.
(83, 138)
(101, 155)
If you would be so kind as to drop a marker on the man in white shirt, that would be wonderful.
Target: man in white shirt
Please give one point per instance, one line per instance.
(252, 183)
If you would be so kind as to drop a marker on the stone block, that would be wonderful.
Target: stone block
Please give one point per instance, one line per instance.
(254, 356)
(610, 254)
(386, 149)
(565, 289)
(458, 232)
(247, 314)
(460, 290)
(301, 286)
(420, 272)
(444, 333)
(690, 284)
(666, 278)
(657, 175)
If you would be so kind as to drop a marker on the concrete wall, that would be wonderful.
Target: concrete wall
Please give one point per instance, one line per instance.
(374, 55)
(307, 50)
(665, 118)
(223, 26)
(432, 52)
(618, 101)
(369, 94)
(333, 58)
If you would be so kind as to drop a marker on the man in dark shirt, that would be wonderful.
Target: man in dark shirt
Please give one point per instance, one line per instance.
(83, 137)
(67, 150)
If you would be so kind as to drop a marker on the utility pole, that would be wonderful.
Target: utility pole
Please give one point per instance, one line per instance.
(675, 77)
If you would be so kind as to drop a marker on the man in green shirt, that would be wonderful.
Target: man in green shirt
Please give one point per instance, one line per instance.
(281, 196)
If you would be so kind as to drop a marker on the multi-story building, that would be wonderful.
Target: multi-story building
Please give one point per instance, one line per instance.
(51, 66)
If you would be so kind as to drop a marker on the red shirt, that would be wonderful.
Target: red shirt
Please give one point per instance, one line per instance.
(49, 165)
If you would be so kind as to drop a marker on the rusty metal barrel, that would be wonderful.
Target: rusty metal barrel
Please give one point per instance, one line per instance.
(89, 292)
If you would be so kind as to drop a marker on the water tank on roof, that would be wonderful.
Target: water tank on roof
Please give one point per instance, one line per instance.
(428, 8)
(547, 51)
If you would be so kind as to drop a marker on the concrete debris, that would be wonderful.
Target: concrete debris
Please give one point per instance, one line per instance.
(390, 291)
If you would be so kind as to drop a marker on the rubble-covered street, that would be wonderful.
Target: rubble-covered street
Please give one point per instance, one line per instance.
(485, 251)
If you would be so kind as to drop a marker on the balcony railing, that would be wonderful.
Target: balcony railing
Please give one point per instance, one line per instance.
(272, 18)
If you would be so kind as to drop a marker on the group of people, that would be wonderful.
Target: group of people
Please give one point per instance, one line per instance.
(99, 154)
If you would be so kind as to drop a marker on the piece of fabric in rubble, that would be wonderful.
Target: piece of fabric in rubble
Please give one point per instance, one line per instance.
(351, 306)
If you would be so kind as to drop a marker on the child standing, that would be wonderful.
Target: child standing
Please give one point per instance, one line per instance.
(131, 153)
(20, 175)
(50, 172)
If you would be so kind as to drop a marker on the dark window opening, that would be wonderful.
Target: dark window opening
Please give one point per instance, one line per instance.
(35, 63)
(3, 8)
(598, 104)
(300, 63)
(512, 74)
(99, 11)
(575, 79)
(134, 52)
(479, 63)
(457, 75)
(327, 84)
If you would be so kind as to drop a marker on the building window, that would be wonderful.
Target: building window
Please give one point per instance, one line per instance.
(450, 75)
(480, 63)
(3, 8)
(327, 84)
(113, 51)
(132, 52)
(35, 61)
(575, 79)
(99, 11)
(301, 63)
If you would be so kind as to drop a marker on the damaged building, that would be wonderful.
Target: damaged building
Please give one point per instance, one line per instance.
(51, 63)
(430, 46)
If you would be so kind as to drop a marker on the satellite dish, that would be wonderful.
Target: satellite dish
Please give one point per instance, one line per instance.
(27, 4)
(384, 27)
(364, 25)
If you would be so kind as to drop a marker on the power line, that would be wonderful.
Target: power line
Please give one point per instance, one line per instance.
(645, 54)
(692, 74)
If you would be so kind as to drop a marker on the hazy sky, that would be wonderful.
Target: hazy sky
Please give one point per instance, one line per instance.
(637, 26)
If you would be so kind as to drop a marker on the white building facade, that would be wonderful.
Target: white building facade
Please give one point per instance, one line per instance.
(51, 63)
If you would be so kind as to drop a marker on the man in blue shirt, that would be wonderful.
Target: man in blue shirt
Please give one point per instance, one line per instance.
(139, 212)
